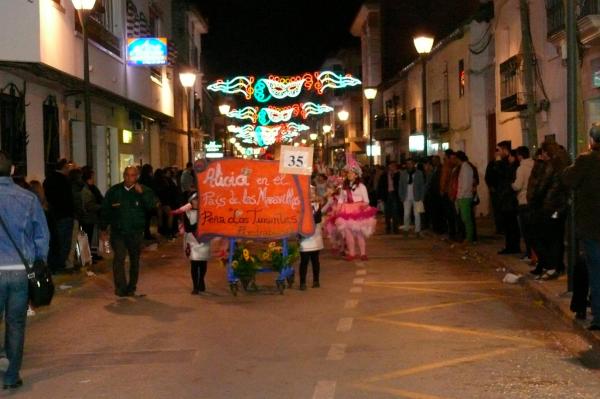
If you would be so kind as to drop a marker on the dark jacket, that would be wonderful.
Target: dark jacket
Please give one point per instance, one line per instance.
(505, 175)
(382, 186)
(59, 195)
(584, 178)
(125, 210)
(546, 193)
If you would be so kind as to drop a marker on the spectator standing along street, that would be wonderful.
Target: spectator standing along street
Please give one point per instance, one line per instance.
(124, 209)
(584, 178)
(387, 191)
(464, 195)
(61, 212)
(24, 218)
(411, 190)
(506, 174)
(520, 187)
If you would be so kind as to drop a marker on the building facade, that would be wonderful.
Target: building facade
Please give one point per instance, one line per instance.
(41, 81)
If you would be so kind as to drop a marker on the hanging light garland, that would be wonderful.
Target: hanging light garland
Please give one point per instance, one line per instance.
(267, 135)
(273, 114)
(280, 87)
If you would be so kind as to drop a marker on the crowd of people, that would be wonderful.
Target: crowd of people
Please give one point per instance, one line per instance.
(529, 198)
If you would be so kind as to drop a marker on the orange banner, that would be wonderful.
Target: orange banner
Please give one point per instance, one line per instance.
(240, 198)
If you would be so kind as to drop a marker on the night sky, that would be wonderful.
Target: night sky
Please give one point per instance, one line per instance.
(288, 37)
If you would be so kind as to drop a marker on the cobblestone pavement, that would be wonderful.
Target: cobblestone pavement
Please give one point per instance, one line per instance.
(415, 321)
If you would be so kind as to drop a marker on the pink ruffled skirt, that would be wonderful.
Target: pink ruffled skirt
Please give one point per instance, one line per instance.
(356, 218)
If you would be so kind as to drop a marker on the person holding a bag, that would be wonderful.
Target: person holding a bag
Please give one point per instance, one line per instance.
(411, 191)
(24, 239)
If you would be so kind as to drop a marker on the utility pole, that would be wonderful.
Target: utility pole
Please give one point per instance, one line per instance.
(528, 72)
(572, 69)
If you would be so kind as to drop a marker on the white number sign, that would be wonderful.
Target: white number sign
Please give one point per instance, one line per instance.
(296, 160)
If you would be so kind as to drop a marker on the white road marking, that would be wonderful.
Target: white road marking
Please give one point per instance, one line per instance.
(351, 304)
(355, 290)
(345, 324)
(324, 390)
(361, 272)
(358, 281)
(336, 352)
(360, 264)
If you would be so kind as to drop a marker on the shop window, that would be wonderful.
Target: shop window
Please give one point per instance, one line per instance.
(13, 133)
(51, 133)
(461, 78)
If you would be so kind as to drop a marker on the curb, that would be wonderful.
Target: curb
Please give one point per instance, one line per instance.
(538, 291)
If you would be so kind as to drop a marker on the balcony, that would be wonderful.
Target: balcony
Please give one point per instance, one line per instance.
(99, 34)
(588, 22)
(512, 86)
(387, 128)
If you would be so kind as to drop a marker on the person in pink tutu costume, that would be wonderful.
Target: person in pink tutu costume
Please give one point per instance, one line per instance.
(331, 209)
(355, 219)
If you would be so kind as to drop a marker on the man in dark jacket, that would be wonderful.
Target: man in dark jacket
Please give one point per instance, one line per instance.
(124, 209)
(387, 190)
(506, 172)
(584, 178)
(61, 211)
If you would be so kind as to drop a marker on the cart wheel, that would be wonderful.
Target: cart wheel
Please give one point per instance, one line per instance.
(281, 286)
(234, 288)
(290, 281)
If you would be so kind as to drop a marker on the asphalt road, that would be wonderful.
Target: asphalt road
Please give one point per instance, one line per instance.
(415, 321)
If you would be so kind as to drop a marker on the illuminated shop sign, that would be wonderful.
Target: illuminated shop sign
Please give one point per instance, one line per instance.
(147, 51)
(213, 150)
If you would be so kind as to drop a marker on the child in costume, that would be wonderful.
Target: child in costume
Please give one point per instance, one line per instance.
(197, 252)
(356, 219)
(310, 247)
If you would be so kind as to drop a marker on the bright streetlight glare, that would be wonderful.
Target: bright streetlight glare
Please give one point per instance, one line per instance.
(423, 44)
(343, 115)
(83, 5)
(187, 79)
(370, 93)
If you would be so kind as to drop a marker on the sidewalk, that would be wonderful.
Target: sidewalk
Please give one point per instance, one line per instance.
(553, 293)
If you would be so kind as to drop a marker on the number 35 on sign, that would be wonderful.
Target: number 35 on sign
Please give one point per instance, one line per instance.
(296, 160)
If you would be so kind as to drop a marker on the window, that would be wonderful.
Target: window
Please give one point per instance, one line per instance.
(461, 78)
(13, 134)
(555, 16)
(154, 23)
(103, 14)
(51, 133)
(412, 117)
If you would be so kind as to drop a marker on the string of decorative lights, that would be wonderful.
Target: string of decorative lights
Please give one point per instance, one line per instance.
(273, 114)
(279, 87)
(267, 135)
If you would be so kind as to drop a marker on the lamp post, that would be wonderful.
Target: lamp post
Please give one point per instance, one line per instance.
(423, 44)
(224, 110)
(326, 131)
(187, 80)
(370, 94)
(232, 141)
(84, 7)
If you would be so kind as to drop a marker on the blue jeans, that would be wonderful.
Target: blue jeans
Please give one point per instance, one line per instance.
(592, 257)
(14, 297)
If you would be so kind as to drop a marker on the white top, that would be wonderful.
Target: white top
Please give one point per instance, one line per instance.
(359, 194)
(522, 179)
(314, 242)
(465, 181)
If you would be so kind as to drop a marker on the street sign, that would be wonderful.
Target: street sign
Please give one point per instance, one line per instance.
(147, 51)
(296, 160)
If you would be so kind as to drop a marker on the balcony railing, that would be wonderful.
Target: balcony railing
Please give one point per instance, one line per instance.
(590, 7)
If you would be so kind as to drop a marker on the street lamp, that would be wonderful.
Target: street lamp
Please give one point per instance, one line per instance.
(224, 109)
(84, 7)
(313, 136)
(370, 94)
(326, 129)
(187, 80)
(423, 44)
(343, 115)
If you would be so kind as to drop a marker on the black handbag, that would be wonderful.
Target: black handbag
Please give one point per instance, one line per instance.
(41, 287)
